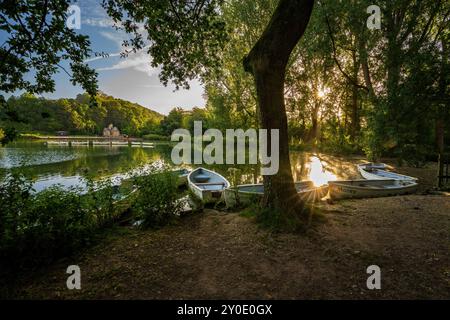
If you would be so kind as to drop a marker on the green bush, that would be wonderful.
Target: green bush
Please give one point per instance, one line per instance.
(100, 198)
(157, 202)
(38, 227)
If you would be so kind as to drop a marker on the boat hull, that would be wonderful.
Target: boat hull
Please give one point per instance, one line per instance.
(182, 175)
(245, 195)
(370, 188)
(374, 173)
(208, 192)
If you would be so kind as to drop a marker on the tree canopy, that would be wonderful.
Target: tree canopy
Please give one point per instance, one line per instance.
(38, 41)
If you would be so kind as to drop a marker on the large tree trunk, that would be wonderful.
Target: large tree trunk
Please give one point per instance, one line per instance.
(267, 63)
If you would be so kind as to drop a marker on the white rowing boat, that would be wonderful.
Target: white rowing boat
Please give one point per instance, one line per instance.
(207, 185)
(370, 188)
(372, 171)
(250, 193)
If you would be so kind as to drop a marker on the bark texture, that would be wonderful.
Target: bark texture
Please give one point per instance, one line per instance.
(267, 63)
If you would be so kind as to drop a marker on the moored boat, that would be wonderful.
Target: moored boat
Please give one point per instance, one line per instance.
(182, 175)
(373, 172)
(207, 185)
(249, 193)
(370, 188)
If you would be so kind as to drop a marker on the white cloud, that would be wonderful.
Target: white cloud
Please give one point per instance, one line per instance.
(139, 61)
(117, 37)
(99, 22)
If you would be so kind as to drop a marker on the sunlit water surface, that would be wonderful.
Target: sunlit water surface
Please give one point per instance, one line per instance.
(49, 165)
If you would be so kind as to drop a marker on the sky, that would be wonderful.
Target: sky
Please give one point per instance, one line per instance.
(131, 78)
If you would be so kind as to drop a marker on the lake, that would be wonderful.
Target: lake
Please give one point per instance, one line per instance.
(69, 166)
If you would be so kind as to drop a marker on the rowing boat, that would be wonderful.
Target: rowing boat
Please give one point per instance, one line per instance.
(370, 188)
(250, 193)
(182, 175)
(374, 172)
(207, 185)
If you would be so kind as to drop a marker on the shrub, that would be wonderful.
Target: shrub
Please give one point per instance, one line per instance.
(38, 227)
(158, 200)
(57, 222)
(100, 198)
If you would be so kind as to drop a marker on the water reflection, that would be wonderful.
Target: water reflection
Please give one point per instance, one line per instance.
(317, 173)
(47, 165)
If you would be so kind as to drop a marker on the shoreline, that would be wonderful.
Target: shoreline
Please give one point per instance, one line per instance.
(216, 255)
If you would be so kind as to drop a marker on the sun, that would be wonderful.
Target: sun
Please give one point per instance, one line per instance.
(322, 93)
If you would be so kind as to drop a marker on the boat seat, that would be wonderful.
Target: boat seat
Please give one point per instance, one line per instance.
(201, 178)
(210, 183)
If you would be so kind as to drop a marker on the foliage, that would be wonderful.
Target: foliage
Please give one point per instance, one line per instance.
(184, 38)
(231, 94)
(36, 228)
(158, 202)
(348, 89)
(172, 121)
(179, 118)
(28, 113)
(39, 41)
(100, 198)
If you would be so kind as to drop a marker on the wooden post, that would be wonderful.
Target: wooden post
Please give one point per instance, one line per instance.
(440, 170)
(443, 172)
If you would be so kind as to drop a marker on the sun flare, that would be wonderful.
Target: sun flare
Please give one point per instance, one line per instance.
(317, 174)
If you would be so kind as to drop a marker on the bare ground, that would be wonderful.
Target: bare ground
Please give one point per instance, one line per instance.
(216, 255)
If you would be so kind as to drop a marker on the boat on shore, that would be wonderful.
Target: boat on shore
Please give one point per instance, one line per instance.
(372, 171)
(347, 189)
(119, 194)
(249, 193)
(207, 185)
(182, 175)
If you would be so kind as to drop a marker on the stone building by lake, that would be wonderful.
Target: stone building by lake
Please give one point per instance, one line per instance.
(111, 131)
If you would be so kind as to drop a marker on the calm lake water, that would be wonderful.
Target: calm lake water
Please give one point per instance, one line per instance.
(48, 165)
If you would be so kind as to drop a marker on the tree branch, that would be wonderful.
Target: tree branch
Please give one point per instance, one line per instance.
(350, 79)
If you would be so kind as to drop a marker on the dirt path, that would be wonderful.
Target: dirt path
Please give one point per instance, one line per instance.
(217, 255)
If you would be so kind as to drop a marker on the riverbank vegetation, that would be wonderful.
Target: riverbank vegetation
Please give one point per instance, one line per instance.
(37, 228)
(213, 255)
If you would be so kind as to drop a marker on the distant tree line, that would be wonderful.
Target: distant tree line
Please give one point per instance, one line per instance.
(28, 113)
